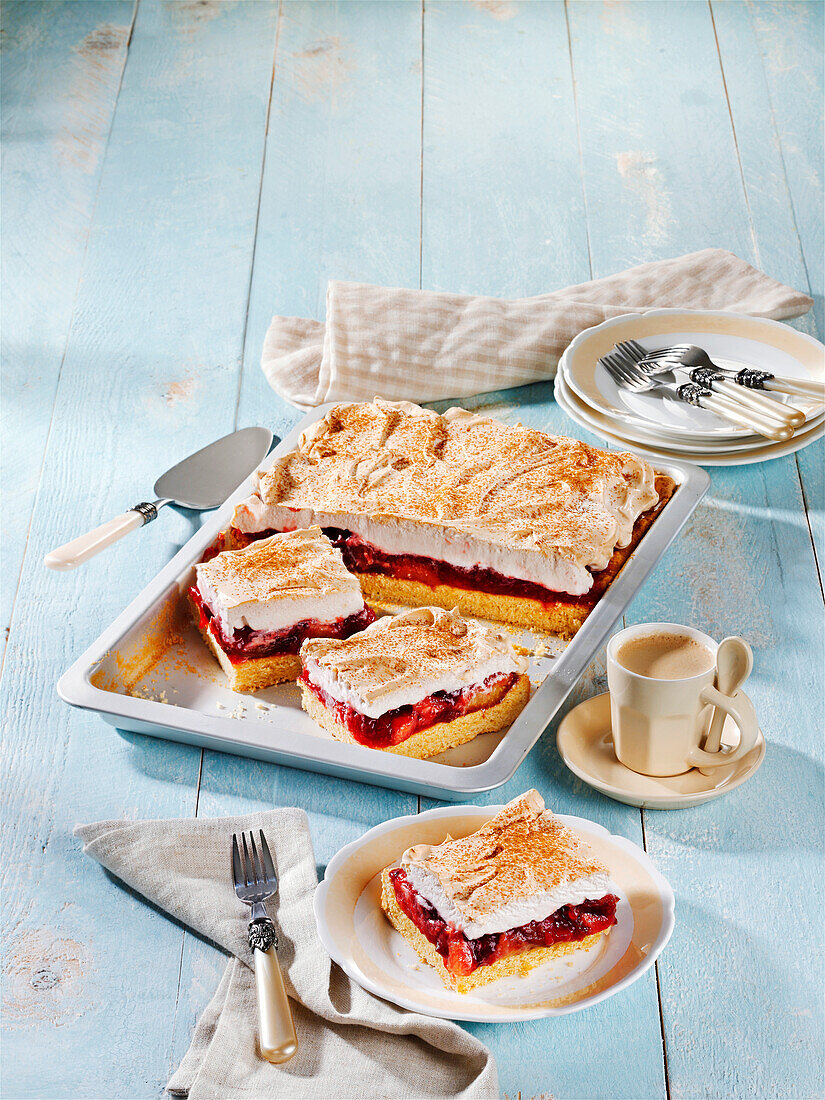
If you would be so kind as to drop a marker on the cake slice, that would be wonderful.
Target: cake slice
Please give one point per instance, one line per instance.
(499, 521)
(255, 606)
(414, 684)
(521, 890)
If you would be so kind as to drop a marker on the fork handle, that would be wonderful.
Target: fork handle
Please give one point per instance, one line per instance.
(773, 409)
(745, 418)
(802, 387)
(276, 1029)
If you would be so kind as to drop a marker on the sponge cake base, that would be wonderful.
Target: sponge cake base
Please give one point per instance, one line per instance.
(436, 738)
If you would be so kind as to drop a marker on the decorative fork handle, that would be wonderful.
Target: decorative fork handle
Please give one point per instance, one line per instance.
(695, 394)
(276, 1028)
(716, 380)
(763, 380)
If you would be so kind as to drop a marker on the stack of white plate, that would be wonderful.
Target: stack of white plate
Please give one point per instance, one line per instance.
(658, 424)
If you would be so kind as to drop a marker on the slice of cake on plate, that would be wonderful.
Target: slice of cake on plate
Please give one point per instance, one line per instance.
(255, 606)
(520, 891)
(503, 522)
(415, 683)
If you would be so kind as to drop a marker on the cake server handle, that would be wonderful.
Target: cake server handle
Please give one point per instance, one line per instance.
(74, 553)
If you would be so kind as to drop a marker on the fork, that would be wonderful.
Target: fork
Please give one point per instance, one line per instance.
(622, 368)
(741, 385)
(256, 882)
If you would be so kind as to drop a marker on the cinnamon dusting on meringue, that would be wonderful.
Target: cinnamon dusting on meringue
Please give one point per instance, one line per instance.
(279, 580)
(468, 473)
(401, 659)
(524, 852)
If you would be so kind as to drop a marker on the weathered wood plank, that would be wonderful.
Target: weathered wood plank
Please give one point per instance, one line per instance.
(759, 143)
(790, 38)
(744, 565)
(503, 213)
(784, 195)
(163, 297)
(61, 70)
(503, 207)
(660, 168)
(339, 198)
(811, 466)
(150, 372)
(340, 192)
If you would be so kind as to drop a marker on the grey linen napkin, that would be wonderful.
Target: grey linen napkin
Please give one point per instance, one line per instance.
(351, 1044)
(424, 345)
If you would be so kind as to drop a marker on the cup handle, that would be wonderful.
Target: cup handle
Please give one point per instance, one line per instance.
(740, 708)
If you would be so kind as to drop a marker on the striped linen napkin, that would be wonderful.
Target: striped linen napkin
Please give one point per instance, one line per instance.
(350, 1044)
(425, 345)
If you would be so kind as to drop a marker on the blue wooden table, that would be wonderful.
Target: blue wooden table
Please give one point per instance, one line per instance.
(173, 174)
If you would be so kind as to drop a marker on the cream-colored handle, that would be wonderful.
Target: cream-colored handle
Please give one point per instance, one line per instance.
(740, 708)
(77, 551)
(807, 387)
(746, 418)
(276, 1030)
(774, 410)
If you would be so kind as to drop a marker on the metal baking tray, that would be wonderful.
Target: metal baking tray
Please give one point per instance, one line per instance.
(150, 672)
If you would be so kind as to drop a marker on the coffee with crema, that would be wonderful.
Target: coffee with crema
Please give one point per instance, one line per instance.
(665, 656)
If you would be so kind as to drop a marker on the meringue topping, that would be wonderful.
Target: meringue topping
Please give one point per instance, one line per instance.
(279, 581)
(466, 474)
(401, 659)
(522, 865)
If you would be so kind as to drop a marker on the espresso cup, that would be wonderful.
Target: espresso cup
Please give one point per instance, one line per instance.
(660, 724)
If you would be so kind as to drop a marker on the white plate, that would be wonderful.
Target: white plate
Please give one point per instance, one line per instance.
(585, 744)
(595, 422)
(358, 936)
(150, 672)
(639, 434)
(732, 340)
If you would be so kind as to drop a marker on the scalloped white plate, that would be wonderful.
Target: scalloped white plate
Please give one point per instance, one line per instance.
(358, 936)
(644, 437)
(617, 435)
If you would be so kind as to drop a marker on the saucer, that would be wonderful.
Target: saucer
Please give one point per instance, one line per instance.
(732, 340)
(585, 744)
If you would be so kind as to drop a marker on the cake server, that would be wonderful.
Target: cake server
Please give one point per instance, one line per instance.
(202, 481)
(256, 882)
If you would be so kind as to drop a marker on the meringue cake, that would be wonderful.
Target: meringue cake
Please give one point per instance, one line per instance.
(520, 891)
(460, 510)
(256, 606)
(415, 684)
